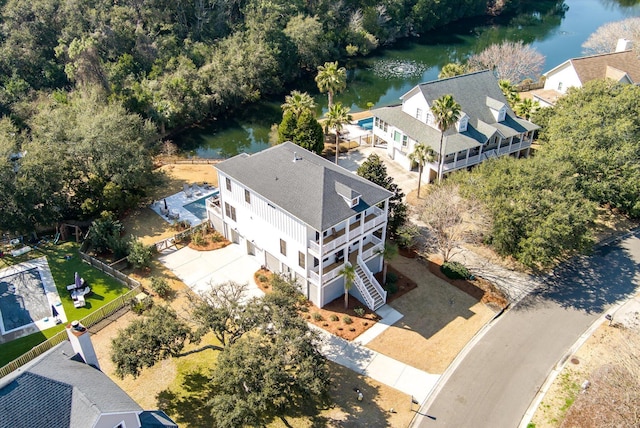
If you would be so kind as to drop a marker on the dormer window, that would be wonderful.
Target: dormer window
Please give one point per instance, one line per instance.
(350, 196)
(463, 122)
(498, 109)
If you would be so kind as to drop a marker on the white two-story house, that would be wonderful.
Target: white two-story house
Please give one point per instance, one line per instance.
(487, 126)
(301, 215)
(623, 66)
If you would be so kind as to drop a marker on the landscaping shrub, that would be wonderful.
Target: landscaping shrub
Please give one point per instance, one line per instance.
(199, 238)
(262, 277)
(160, 286)
(140, 255)
(317, 316)
(347, 319)
(139, 306)
(216, 237)
(455, 270)
(392, 278)
(359, 312)
(391, 287)
(334, 317)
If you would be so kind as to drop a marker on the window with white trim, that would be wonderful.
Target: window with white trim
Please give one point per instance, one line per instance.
(419, 113)
(230, 211)
(283, 247)
(228, 182)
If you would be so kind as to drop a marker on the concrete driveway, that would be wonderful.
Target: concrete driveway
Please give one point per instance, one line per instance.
(200, 269)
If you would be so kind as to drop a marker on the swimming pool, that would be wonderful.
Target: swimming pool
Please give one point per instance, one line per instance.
(23, 300)
(199, 207)
(366, 123)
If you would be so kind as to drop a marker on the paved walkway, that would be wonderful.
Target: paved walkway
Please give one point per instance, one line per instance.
(199, 269)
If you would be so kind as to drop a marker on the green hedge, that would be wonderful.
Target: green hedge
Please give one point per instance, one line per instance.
(455, 270)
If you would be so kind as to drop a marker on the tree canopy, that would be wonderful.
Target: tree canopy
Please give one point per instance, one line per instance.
(596, 131)
(374, 170)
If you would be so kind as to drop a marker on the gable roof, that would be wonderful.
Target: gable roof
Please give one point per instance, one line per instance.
(477, 93)
(305, 187)
(596, 66)
(58, 389)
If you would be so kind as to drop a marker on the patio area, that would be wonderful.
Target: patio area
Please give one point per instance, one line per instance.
(186, 205)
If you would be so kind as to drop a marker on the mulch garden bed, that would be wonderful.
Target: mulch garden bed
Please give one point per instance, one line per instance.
(209, 240)
(404, 284)
(333, 317)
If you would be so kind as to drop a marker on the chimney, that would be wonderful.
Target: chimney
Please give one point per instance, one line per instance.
(81, 341)
(623, 45)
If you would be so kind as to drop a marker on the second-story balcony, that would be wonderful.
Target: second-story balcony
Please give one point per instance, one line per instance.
(213, 206)
(373, 218)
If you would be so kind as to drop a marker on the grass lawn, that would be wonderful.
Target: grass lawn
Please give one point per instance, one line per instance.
(63, 261)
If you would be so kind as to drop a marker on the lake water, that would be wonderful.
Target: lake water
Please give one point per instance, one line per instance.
(382, 78)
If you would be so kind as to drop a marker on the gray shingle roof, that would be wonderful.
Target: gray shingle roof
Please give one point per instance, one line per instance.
(59, 390)
(477, 93)
(305, 188)
(19, 397)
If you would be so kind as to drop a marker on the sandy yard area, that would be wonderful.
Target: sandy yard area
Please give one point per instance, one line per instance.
(438, 321)
(149, 226)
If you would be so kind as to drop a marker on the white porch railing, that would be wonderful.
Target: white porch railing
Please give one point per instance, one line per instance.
(369, 300)
(371, 278)
(211, 206)
(367, 254)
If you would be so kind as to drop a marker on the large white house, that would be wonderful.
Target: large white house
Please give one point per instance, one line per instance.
(487, 127)
(623, 66)
(301, 215)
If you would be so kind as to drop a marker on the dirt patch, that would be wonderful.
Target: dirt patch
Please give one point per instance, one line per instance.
(438, 321)
(478, 288)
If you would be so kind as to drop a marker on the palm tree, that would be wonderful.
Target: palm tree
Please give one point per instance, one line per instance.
(337, 116)
(446, 112)
(388, 252)
(509, 91)
(526, 108)
(297, 103)
(331, 79)
(421, 155)
(349, 274)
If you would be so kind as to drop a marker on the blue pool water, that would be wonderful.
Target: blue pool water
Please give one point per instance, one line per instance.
(366, 123)
(198, 207)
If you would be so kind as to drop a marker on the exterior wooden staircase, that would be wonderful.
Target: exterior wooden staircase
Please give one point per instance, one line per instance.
(374, 295)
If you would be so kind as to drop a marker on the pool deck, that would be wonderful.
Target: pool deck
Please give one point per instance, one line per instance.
(53, 299)
(176, 203)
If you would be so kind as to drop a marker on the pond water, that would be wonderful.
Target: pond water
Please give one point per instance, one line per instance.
(382, 78)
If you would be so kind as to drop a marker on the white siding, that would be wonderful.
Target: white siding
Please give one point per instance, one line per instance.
(265, 224)
(562, 78)
(414, 102)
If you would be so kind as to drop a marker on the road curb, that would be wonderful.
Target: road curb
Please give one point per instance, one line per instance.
(560, 365)
(452, 367)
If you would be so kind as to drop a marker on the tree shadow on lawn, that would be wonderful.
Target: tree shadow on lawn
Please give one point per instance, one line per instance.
(592, 283)
(189, 408)
(433, 304)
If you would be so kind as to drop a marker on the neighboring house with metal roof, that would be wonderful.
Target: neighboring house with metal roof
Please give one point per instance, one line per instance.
(623, 66)
(61, 389)
(304, 216)
(487, 127)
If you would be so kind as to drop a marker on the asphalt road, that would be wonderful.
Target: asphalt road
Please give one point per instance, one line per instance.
(497, 380)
